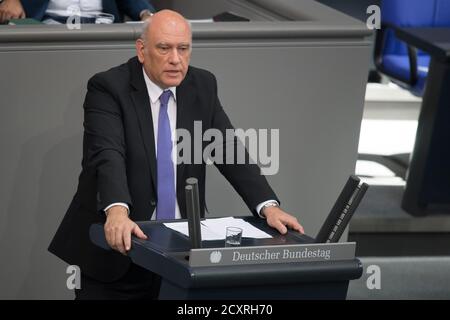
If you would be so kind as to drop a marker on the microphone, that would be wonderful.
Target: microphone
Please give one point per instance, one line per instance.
(193, 212)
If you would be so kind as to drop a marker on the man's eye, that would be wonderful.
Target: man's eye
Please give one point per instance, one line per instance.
(163, 48)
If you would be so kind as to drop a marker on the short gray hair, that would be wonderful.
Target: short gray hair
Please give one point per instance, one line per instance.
(145, 27)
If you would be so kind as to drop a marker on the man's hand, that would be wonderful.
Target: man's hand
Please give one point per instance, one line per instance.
(11, 9)
(119, 228)
(280, 220)
(145, 14)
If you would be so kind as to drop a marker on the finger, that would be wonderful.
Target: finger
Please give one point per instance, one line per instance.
(280, 227)
(293, 224)
(138, 232)
(112, 236)
(127, 239)
(301, 230)
(115, 239)
(108, 236)
(119, 241)
(22, 15)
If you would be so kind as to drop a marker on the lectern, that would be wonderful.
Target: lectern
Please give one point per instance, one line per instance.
(284, 267)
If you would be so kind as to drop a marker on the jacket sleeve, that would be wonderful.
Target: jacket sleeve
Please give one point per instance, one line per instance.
(246, 178)
(104, 150)
(34, 8)
(133, 8)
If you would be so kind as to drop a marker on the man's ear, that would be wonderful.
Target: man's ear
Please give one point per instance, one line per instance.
(140, 50)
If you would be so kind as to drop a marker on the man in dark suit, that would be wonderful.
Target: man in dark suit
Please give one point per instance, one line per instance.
(37, 9)
(129, 173)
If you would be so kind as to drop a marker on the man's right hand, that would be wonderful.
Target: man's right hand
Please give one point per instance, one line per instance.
(11, 9)
(119, 228)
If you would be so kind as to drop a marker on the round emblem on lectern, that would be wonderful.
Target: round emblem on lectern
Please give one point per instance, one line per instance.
(215, 257)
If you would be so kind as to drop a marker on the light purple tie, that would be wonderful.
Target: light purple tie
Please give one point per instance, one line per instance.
(165, 175)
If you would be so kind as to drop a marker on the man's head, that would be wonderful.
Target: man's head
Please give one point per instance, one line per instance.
(165, 48)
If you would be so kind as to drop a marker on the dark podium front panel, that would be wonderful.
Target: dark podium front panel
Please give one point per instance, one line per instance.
(166, 252)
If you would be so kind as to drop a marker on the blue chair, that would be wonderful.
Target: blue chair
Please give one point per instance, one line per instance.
(401, 62)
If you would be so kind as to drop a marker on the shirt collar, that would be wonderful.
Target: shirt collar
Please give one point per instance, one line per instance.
(155, 91)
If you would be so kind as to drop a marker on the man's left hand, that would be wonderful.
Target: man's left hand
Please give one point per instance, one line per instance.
(280, 220)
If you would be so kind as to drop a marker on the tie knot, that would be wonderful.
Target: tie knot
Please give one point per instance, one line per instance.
(165, 96)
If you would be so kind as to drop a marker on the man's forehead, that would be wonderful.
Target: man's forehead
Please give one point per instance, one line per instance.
(170, 25)
(169, 38)
(172, 40)
(170, 35)
(169, 43)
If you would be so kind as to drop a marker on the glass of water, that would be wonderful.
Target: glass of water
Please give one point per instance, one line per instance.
(233, 237)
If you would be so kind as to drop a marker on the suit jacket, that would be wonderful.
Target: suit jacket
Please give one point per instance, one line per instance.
(36, 8)
(119, 161)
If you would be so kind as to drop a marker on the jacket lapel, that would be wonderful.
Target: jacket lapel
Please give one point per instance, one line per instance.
(142, 106)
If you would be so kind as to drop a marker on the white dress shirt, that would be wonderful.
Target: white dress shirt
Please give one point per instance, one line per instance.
(88, 8)
(154, 92)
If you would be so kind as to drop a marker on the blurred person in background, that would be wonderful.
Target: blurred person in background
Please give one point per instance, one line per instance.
(58, 11)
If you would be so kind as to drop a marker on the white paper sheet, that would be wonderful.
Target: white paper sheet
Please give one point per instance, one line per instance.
(182, 227)
(215, 229)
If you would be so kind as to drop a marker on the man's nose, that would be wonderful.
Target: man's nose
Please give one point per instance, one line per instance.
(174, 57)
